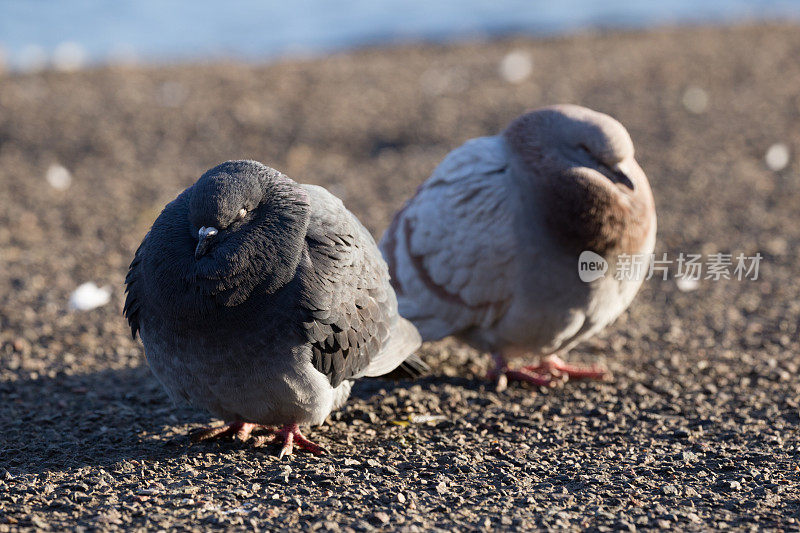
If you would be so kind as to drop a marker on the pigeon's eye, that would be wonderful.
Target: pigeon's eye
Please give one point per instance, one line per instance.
(242, 212)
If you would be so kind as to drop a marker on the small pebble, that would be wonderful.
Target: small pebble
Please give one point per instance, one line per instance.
(382, 517)
(670, 490)
(687, 284)
(516, 66)
(777, 157)
(695, 100)
(58, 177)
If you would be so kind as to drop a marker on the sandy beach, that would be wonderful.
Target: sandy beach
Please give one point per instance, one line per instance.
(697, 429)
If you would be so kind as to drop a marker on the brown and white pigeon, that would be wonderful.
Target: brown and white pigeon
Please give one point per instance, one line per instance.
(488, 249)
(261, 300)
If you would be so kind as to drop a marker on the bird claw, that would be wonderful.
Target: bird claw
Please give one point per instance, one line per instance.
(527, 376)
(288, 437)
(239, 430)
(502, 376)
(201, 434)
(551, 372)
(501, 382)
(556, 367)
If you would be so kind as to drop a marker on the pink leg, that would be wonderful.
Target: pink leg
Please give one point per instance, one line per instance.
(501, 374)
(289, 436)
(555, 366)
(240, 430)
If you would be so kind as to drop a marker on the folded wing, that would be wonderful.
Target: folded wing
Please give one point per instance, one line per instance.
(350, 307)
(450, 249)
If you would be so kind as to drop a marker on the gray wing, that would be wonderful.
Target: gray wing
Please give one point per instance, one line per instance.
(350, 307)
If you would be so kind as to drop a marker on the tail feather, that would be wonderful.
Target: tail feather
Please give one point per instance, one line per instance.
(403, 341)
(412, 368)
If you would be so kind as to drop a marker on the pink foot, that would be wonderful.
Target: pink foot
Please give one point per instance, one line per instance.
(290, 436)
(525, 377)
(240, 430)
(556, 367)
(501, 374)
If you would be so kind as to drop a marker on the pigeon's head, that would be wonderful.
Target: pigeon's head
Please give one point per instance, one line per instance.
(224, 200)
(582, 164)
(248, 223)
(567, 137)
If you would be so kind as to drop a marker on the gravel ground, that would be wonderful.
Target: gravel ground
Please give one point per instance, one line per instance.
(697, 429)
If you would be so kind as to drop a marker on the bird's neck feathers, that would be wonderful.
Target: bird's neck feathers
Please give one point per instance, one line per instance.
(580, 211)
(262, 258)
(584, 214)
(264, 255)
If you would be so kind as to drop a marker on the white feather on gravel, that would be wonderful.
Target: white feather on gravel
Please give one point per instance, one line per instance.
(89, 296)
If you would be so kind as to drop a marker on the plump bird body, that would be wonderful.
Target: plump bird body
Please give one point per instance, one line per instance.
(261, 300)
(488, 248)
(239, 368)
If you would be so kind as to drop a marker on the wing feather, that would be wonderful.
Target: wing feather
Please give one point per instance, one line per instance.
(450, 258)
(351, 311)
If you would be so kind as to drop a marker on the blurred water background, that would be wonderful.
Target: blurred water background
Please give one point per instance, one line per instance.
(70, 34)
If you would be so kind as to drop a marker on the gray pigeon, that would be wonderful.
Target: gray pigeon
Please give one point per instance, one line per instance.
(261, 300)
(488, 249)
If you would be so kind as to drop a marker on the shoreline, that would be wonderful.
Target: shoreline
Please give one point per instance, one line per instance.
(396, 45)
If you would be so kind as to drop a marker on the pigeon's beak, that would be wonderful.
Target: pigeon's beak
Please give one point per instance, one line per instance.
(620, 176)
(205, 237)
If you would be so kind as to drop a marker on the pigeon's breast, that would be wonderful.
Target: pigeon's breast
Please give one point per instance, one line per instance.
(263, 377)
(553, 309)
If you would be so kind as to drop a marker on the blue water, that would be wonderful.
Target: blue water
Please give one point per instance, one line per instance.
(33, 32)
